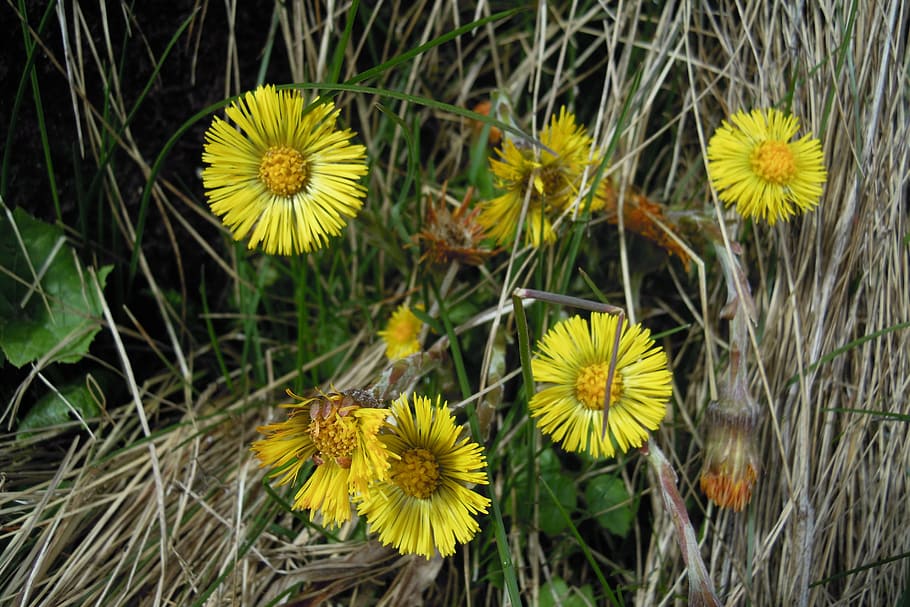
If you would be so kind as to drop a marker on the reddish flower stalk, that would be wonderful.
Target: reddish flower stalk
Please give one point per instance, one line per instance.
(701, 588)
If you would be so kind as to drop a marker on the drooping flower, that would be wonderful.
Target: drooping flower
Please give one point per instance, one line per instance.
(287, 178)
(574, 360)
(549, 177)
(401, 332)
(753, 164)
(340, 436)
(426, 504)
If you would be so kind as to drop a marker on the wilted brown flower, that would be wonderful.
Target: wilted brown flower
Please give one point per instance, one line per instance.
(452, 236)
(644, 217)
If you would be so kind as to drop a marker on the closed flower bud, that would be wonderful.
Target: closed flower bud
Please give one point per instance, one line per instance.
(731, 465)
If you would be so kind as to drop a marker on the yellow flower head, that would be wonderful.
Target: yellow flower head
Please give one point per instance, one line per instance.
(574, 360)
(400, 334)
(552, 173)
(341, 437)
(753, 164)
(426, 504)
(287, 177)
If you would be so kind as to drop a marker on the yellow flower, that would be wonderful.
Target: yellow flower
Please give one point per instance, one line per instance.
(753, 164)
(574, 359)
(341, 438)
(554, 174)
(400, 334)
(426, 504)
(287, 177)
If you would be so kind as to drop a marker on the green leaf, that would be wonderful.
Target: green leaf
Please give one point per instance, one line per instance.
(549, 462)
(524, 499)
(48, 303)
(557, 592)
(60, 407)
(553, 517)
(610, 504)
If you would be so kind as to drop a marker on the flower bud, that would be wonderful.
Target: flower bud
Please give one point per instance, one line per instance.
(731, 464)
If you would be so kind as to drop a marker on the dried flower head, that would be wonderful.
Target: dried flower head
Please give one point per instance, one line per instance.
(644, 217)
(754, 164)
(452, 236)
(731, 465)
(338, 432)
(287, 177)
(484, 107)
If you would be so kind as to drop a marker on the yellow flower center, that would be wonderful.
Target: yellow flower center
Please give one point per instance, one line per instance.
(283, 170)
(550, 181)
(403, 331)
(417, 473)
(773, 162)
(591, 385)
(335, 437)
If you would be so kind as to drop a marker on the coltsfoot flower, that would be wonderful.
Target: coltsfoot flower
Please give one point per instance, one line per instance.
(427, 503)
(753, 164)
(340, 436)
(401, 333)
(287, 178)
(553, 174)
(573, 361)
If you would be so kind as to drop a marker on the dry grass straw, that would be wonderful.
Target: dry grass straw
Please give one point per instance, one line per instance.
(161, 513)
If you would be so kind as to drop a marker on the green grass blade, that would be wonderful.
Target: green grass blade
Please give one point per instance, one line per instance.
(213, 338)
(841, 60)
(146, 192)
(24, 80)
(581, 544)
(499, 529)
(408, 55)
(269, 45)
(338, 55)
(578, 231)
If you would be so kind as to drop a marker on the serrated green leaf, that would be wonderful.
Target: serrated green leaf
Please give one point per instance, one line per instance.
(610, 504)
(56, 408)
(48, 305)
